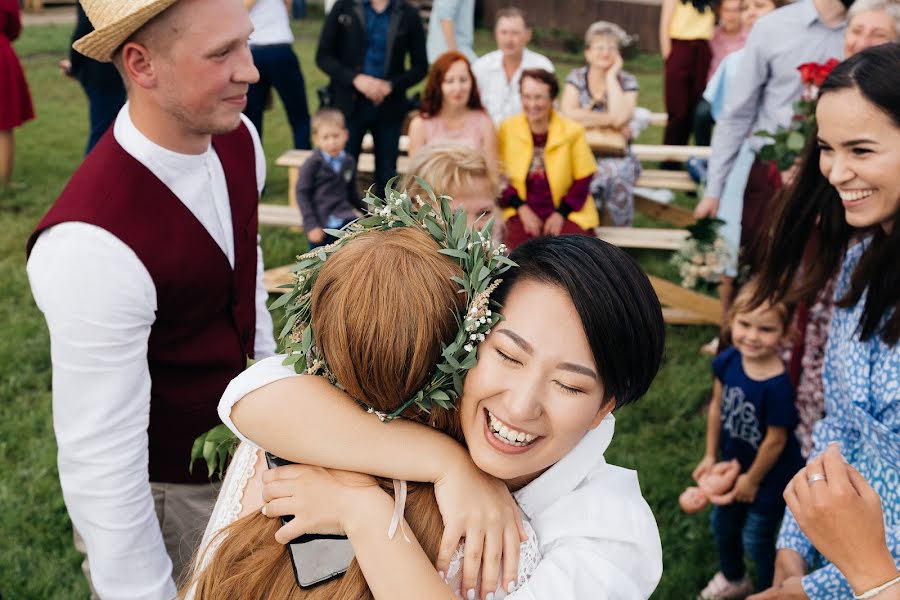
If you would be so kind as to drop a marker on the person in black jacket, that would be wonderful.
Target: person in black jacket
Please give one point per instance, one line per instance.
(100, 81)
(363, 48)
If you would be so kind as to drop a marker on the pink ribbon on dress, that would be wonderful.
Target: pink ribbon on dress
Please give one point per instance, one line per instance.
(399, 505)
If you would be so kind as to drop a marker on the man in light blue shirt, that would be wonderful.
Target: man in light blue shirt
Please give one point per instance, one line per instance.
(763, 96)
(451, 27)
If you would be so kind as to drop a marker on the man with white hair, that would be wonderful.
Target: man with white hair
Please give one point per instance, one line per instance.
(498, 72)
(148, 271)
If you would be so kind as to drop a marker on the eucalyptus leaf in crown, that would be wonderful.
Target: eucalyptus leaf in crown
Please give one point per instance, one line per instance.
(473, 250)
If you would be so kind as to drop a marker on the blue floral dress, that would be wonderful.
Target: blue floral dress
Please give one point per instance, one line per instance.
(862, 408)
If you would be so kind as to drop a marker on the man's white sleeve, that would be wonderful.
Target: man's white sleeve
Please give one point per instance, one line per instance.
(99, 302)
(264, 346)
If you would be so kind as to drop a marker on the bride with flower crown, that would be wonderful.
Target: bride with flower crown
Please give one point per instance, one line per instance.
(584, 526)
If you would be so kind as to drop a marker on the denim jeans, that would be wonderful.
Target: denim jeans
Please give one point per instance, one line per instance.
(386, 134)
(103, 106)
(279, 68)
(742, 527)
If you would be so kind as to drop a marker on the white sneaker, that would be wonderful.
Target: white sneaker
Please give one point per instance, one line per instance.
(720, 588)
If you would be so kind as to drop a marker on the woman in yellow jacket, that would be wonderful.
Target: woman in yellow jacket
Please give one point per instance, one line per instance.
(549, 165)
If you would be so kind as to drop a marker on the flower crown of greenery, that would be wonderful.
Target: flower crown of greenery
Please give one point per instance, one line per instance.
(472, 250)
(481, 262)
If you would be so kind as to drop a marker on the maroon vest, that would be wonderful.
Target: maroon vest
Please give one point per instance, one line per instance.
(205, 319)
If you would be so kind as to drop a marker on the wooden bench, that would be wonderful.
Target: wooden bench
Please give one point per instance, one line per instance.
(650, 178)
(680, 306)
(643, 152)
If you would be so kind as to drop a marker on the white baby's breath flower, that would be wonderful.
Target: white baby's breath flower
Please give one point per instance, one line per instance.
(468, 347)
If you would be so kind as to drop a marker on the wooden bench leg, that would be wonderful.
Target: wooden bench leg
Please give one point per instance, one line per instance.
(293, 176)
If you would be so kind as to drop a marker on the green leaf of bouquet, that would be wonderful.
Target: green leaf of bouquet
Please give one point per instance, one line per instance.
(446, 369)
(338, 233)
(795, 141)
(197, 450)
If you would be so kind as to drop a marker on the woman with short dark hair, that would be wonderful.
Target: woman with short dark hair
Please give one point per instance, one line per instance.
(549, 165)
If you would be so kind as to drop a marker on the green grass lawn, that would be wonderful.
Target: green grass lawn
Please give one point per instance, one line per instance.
(661, 436)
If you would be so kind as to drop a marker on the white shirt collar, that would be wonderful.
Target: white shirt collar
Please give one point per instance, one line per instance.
(571, 470)
(149, 152)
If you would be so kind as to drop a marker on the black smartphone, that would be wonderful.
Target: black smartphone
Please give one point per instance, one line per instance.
(315, 558)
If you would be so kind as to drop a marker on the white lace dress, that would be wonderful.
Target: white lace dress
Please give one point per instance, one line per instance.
(243, 486)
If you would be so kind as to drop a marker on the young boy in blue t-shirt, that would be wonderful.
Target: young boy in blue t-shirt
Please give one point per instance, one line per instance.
(752, 419)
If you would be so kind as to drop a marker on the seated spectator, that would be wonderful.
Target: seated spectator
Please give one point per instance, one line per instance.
(467, 177)
(364, 47)
(451, 26)
(602, 95)
(870, 23)
(729, 36)
(549, 166)
(451, 110)
(326, 188)
(498, 72)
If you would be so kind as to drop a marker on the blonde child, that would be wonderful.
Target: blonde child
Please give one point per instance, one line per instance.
(326, 188)
(751, 419)
(468, 177)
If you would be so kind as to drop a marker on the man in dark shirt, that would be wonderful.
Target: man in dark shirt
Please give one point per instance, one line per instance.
(363, 48)
(100, 81)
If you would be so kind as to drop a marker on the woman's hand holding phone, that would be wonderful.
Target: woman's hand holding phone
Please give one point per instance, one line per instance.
(480, 510)
(321, 500)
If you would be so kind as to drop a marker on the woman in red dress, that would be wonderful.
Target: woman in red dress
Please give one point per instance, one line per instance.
(15, 100)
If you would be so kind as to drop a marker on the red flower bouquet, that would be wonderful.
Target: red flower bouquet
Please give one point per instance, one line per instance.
(788, 142)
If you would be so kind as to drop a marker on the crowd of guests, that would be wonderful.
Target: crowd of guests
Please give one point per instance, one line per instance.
(503, 138)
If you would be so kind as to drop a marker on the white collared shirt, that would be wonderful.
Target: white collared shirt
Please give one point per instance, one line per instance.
(499, 95)
(596, 534)
(100, 304)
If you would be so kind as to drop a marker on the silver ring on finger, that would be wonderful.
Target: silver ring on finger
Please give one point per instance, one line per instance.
(816, 477)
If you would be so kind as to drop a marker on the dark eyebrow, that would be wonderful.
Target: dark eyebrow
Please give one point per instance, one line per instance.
(566, 366)
(519, 340)
(849, 143)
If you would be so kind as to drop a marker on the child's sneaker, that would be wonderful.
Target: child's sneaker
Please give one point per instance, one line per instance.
(720, 588)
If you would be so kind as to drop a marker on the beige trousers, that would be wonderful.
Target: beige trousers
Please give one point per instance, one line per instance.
(183, 511)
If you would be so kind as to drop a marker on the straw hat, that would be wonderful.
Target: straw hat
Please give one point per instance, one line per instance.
(114, 22)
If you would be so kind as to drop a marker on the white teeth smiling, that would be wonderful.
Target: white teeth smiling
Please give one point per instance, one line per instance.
(507, 435)
(851, 195)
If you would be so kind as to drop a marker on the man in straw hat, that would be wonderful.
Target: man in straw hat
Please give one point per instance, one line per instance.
(148, 271)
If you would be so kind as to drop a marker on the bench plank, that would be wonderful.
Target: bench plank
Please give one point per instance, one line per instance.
(643, 237)
(704, 308)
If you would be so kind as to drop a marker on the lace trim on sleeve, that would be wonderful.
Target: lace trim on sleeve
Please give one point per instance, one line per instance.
(228, 505)
(529, 557)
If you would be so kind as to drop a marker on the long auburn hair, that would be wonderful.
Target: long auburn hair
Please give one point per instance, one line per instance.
(812, 220)
(379, 358)
(433, 98)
